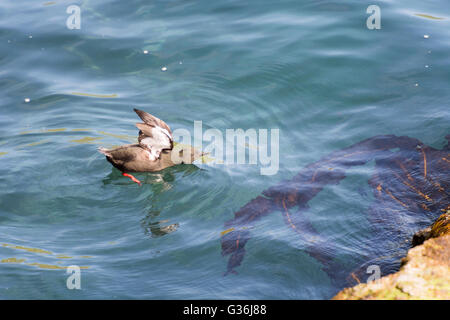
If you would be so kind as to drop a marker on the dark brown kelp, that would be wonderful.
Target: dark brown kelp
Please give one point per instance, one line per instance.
(409, 179)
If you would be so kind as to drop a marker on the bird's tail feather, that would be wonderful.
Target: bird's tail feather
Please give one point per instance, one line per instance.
(103, 150)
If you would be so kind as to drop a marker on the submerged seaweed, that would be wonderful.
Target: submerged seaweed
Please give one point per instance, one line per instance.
(409, 179)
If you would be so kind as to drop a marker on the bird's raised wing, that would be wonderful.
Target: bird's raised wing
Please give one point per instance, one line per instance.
(154, 122)
(154, 135)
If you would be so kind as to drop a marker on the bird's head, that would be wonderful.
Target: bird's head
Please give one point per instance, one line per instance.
(186, 154)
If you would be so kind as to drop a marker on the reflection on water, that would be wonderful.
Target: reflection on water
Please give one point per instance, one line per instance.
(56, 138)
(158, 228)
(428, 16)
(15, 260)
(95, 95)
(88, 140)
(32, 144)
(36, 250)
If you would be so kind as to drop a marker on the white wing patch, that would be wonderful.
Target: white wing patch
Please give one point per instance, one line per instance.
(154, 135)
(151, 155)
(167, 133)
(157, 142)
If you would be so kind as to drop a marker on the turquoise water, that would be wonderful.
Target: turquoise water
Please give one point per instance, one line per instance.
(310, 68)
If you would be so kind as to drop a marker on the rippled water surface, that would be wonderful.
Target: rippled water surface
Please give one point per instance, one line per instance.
(310, 68)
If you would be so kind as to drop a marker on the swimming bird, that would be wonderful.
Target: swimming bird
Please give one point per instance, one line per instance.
(154, 151)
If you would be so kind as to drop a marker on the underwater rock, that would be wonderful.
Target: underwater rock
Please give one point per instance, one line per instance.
(425, 272)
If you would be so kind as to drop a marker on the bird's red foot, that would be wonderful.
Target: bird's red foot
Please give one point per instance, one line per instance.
(132, 178)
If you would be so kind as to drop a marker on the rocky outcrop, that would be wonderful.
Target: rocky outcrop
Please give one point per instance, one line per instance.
(424, 274)
(440, 227)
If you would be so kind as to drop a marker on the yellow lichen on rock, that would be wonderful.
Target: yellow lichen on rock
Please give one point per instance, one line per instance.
(441, 226)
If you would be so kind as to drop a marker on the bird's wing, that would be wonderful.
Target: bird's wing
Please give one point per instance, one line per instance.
(154, 122)
(153, 139)
(154, 135)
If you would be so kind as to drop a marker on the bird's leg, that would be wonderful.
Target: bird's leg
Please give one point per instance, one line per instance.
(131, 177)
